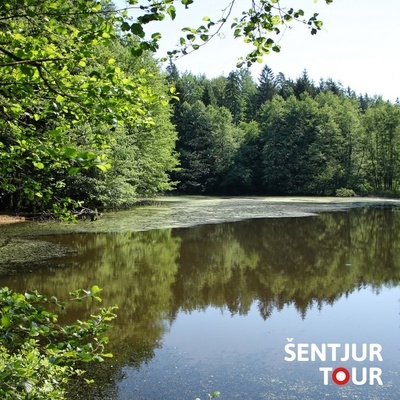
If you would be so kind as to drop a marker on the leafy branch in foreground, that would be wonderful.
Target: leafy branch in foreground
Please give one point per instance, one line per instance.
(38, 355)
(258, 25)
(55, 81)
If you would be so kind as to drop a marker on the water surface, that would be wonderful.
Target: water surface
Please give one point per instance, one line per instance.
(210, 307)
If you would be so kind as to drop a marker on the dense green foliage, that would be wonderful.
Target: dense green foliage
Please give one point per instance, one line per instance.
(283, 136)
(39, 355)
(84, 109)
(73, 97)
(141, 156)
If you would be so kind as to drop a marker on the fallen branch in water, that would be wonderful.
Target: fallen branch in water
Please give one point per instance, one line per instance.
(87, 213)
(83, 214)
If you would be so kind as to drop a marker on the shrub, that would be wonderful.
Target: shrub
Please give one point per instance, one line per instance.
(38, 356)
(344, 192)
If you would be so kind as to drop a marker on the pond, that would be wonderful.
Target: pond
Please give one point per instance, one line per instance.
(264, 308)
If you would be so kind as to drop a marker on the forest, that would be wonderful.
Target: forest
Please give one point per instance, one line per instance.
(278, 136)
(89, 117)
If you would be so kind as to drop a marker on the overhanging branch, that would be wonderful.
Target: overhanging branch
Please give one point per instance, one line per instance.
(31, 62)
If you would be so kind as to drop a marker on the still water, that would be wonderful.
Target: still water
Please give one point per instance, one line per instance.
(212, 307)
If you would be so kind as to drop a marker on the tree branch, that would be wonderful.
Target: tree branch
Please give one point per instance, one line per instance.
(32, 62)
(18, 60)
(38, 64)
(72, 13)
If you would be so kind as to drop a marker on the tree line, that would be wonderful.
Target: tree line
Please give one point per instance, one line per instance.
(281, 136)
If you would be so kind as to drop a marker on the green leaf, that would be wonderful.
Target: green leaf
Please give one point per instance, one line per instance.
(103, 167)
(38, 164)
(87, 155)
(95, 74)
(6, 321)
(70, 152)
(137, 51)
(73, 170)
(171, 11)
(187, 2)
(125, 27)
(90, 155)
(97, 7)
(156, 36)
(137, 30)
(95, 289)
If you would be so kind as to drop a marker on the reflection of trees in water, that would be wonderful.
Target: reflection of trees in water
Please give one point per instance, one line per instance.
(301, 261)
(135, 270)
(304, 262)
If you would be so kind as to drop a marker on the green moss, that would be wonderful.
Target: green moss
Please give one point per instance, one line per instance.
(17, 254)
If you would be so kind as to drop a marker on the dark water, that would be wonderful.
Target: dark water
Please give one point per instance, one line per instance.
(212, 307)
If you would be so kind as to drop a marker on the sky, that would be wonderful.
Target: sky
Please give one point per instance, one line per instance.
(358, 46)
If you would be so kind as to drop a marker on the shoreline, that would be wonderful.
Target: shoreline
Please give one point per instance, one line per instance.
(7, 219)
(25, 244)
(165, 212)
